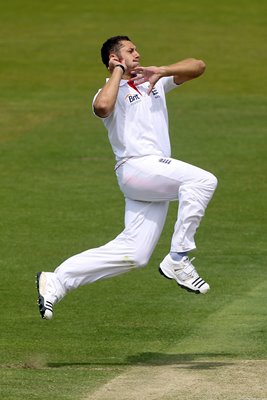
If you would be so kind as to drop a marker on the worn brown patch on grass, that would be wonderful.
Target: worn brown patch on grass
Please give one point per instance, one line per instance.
(236, 380)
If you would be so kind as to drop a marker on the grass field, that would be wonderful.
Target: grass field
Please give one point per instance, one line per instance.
(136, 336)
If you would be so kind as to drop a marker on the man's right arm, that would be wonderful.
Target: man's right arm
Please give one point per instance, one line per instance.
(105, 101)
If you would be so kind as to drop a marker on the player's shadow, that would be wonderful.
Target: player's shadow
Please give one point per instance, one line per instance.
(188, 361)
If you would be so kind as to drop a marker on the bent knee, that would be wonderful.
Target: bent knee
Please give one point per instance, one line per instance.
(213, 181)
(141, 260)
(208, 181)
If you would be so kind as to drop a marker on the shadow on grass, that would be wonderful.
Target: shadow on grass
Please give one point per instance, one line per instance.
(189, 361)
(193, 361)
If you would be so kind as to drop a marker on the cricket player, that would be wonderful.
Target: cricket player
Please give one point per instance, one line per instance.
(132, 106)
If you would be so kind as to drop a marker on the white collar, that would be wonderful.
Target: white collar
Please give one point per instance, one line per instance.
(122, 81)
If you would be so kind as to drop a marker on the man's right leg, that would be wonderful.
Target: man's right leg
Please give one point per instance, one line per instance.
(131, 249)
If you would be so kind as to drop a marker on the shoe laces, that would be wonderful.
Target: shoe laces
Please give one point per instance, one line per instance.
(185, 269)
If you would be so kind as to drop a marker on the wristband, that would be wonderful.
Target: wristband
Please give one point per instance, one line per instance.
(121, 66)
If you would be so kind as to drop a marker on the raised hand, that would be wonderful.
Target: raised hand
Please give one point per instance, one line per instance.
(113, 61)
(146, 74)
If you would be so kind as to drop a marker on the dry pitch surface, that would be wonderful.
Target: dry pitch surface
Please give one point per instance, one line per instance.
(235, 380)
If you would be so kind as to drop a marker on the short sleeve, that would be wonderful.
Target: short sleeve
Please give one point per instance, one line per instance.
(95, 96)
(168, 83)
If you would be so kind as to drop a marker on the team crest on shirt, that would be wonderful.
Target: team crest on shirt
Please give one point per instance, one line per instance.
(132, 98)
(155, 93)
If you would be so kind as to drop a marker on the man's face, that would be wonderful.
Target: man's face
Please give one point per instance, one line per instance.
(129, 54)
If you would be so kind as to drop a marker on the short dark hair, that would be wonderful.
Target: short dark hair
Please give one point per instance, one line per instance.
(112, 44)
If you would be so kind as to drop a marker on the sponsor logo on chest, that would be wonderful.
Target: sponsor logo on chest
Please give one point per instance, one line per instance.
(136, 98)
(133, 98)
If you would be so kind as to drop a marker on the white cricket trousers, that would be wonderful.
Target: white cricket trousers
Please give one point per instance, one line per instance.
(148, 184)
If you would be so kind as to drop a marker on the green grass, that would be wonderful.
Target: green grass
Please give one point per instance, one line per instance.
(59, 195)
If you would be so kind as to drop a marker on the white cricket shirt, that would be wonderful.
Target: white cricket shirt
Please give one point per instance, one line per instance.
(138, 125)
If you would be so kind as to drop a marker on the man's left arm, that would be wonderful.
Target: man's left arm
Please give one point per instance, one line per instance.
(184, 70)
(181, 71)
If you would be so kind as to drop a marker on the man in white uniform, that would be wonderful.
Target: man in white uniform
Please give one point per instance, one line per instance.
(132, 107)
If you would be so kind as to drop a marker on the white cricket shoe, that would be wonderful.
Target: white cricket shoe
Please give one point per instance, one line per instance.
(49, 291)
(184, 273)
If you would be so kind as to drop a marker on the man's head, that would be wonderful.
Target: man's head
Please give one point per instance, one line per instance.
(121, 48)
(112, 45)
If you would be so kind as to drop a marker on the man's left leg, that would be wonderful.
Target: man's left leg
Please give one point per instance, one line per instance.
(194, 194)
(155, 178)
